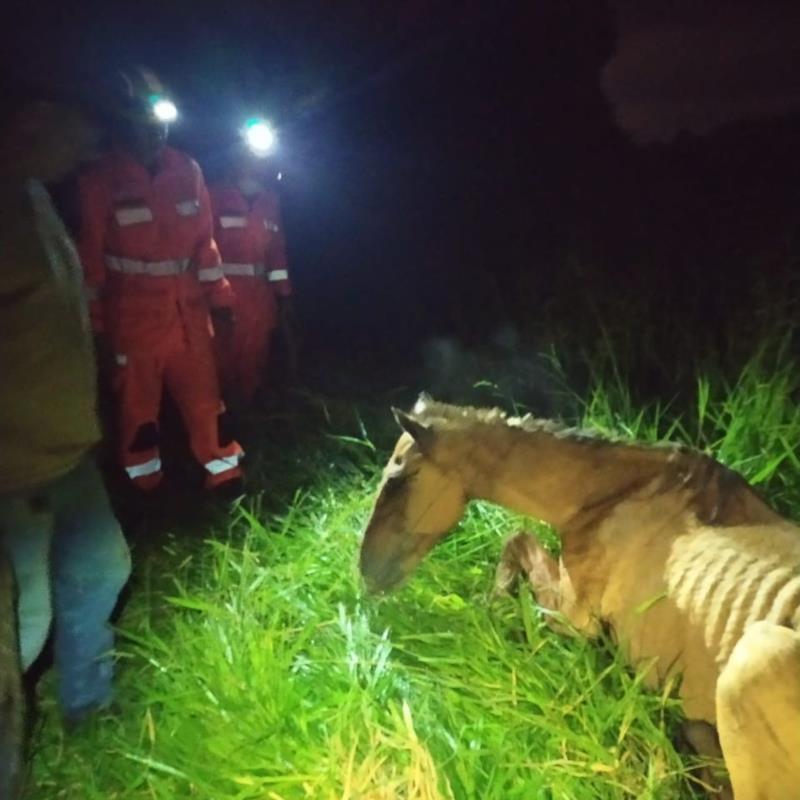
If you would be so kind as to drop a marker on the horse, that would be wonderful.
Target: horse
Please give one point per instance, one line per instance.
(664, 547)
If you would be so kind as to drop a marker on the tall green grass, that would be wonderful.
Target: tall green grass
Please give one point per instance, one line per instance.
(252, 666)
(751, 423)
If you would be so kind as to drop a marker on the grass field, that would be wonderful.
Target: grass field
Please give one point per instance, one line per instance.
(252, 665)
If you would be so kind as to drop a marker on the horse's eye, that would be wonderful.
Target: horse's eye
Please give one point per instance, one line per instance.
(397, 461)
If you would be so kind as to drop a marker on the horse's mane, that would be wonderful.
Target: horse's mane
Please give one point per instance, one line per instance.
(449, 417)
(719, 490)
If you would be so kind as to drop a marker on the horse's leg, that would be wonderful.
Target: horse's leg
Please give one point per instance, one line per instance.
(702, 738)
(758, 713)
(523, 555)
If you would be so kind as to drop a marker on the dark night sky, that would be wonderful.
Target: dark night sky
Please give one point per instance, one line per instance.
(680, 64)
(693, 64)
(442, 157)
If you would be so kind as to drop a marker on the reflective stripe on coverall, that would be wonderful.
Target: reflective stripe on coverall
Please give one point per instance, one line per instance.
(249, 234)
(152, 272)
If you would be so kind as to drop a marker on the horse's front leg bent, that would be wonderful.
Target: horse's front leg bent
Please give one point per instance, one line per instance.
(523, 555)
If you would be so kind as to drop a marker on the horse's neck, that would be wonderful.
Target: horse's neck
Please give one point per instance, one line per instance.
(553, 478)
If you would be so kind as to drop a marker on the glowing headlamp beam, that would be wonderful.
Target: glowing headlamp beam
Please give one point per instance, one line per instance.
(165, 110)
(260, 137)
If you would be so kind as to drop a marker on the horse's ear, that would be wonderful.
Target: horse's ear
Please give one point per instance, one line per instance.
(424, 400)
(421, 433)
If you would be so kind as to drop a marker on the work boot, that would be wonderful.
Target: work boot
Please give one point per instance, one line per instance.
(229, 492)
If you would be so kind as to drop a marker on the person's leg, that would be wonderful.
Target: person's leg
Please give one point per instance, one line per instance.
(191, 378)
(138, 384)
(254, 359)
(12, 696)
(225, 357)
(91, 564)
(26, 530)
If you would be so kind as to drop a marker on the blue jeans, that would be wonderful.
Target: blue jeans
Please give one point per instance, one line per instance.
(71, 561)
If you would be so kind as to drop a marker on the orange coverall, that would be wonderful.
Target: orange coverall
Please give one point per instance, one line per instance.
(152, 272)
(249, 234)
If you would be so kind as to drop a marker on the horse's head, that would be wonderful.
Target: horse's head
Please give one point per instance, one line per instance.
(419, 500)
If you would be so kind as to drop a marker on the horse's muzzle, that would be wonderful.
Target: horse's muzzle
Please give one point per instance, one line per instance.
(381, 575)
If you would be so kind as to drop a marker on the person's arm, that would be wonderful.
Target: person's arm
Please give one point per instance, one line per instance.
(206, 258)
(278, 277)
(94, 214)
(277, 261)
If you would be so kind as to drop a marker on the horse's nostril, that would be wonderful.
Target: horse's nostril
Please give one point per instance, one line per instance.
(380, 575)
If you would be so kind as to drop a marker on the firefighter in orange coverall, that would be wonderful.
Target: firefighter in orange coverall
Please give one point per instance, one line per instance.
(249, 233)
(153, 275)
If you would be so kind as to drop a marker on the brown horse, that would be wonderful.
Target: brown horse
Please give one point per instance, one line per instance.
(675, 554)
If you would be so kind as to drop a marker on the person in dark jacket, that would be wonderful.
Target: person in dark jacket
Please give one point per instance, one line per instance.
(69, 557)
